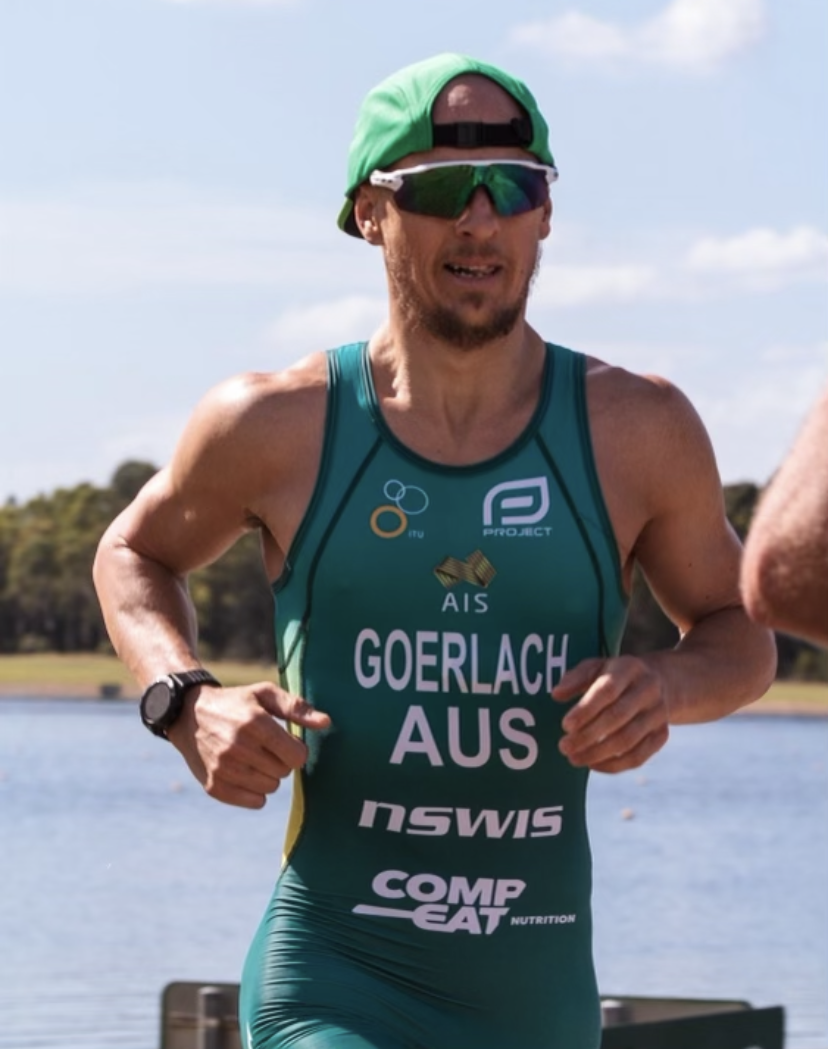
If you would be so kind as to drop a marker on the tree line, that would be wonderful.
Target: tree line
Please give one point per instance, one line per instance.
(48, 602)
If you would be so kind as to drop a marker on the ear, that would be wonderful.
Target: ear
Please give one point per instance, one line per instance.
(546, 220)
(366, 217)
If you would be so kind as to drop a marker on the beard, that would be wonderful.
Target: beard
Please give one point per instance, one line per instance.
(448, 324)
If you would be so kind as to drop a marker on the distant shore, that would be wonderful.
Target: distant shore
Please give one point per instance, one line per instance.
(86, 676)
(100, 677)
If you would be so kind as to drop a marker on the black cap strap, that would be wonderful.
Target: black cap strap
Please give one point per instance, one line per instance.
(469, 135)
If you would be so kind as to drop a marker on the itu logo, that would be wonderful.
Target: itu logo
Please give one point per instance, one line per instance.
(404, 500)
(515, 508)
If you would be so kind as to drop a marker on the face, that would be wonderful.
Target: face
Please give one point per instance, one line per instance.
(464, 281)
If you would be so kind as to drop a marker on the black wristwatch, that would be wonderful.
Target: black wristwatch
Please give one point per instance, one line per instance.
(163, 701)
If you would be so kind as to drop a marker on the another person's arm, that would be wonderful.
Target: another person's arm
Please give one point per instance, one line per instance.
(785, 570)
(228, 461)
(665, 498)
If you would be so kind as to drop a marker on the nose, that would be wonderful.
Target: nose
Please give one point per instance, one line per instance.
(479, 218)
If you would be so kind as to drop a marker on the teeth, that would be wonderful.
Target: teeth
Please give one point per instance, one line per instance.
(473, 271)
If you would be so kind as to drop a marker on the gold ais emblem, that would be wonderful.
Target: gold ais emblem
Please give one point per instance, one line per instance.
(477, 569)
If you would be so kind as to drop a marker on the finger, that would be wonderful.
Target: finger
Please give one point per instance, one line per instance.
(611, 683)
(238, 796)
(635, 757)
(269, 747)
(250, 738)
(275, 740)
(289, 707)
(610, 738)
(248, 770)
(577, 680)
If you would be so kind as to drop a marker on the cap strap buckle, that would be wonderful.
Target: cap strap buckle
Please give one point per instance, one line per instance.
(471, 135)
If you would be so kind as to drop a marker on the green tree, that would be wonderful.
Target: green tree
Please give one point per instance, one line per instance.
(47, 600)
(9, 528)
(32, 572)
(740, 504)
(234, 604)
(130, 478)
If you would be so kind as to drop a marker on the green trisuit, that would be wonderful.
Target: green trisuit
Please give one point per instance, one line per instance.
(436, 887)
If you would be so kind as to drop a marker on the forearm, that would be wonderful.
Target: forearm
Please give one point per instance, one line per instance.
(787, 589)
(147, 611)
(722, 663)
(785, 568)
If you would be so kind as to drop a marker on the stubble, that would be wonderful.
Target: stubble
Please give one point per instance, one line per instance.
(448, 324)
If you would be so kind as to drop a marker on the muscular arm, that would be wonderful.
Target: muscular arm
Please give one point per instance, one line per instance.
(186, 517)
(691, 557)
(785, 571)
(218, 485)
(665, 499)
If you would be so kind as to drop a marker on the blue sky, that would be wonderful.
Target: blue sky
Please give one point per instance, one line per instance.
(172, 169)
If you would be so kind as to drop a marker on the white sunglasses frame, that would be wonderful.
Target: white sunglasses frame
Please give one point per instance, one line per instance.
(393, 180)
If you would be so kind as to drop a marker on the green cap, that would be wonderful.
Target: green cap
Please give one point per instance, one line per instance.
(395, 120)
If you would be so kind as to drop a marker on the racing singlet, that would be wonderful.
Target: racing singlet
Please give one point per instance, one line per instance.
(435, 890)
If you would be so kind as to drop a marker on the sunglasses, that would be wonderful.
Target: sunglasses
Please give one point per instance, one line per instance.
(443, 189)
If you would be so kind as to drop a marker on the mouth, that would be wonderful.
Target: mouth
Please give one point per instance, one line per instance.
(472, 272)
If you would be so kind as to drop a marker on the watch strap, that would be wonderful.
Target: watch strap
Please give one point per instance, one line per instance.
(186, 679)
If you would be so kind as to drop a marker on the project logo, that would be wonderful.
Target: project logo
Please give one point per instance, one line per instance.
(514, 508)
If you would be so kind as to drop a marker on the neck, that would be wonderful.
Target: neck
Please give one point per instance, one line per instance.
(457, 405)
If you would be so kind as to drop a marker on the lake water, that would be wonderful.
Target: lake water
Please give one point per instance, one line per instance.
(118, 875)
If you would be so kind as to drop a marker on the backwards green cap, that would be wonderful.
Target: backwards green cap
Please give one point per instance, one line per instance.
(395, 120)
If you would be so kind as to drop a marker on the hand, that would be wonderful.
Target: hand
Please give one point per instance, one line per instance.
(622, 717)
(234, 746)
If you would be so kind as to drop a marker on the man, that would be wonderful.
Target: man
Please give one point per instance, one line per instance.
(450, 514)
(785, 570)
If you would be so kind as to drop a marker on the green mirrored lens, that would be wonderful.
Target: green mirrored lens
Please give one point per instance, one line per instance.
(516, 189)
(445, 192)
(442, 192)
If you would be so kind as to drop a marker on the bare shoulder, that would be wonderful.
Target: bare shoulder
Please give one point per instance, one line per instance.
(247, 458)
(645, 421)
(254, 404)
(652, 451)
(254, 423)
(641, 403)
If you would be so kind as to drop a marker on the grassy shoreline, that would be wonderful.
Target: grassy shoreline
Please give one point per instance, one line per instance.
(85, 676)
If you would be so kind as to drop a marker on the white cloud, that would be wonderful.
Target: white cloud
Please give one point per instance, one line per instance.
(328, 324)
(234, 3)
(575, 35)
(753, 412)
(150, 437)
(711, 268)
(644, 358)
(580, 285)
(124, 238)
(764, 258)
(768, 395)
(753, 423)
(787, 355)
(118, 239)
(696, 35)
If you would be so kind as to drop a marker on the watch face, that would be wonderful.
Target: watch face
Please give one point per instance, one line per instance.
(157, 702)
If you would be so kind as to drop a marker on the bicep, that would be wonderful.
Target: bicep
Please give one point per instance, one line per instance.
(180, 527)
(194, 509)
(687, 550)
(691, 567)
